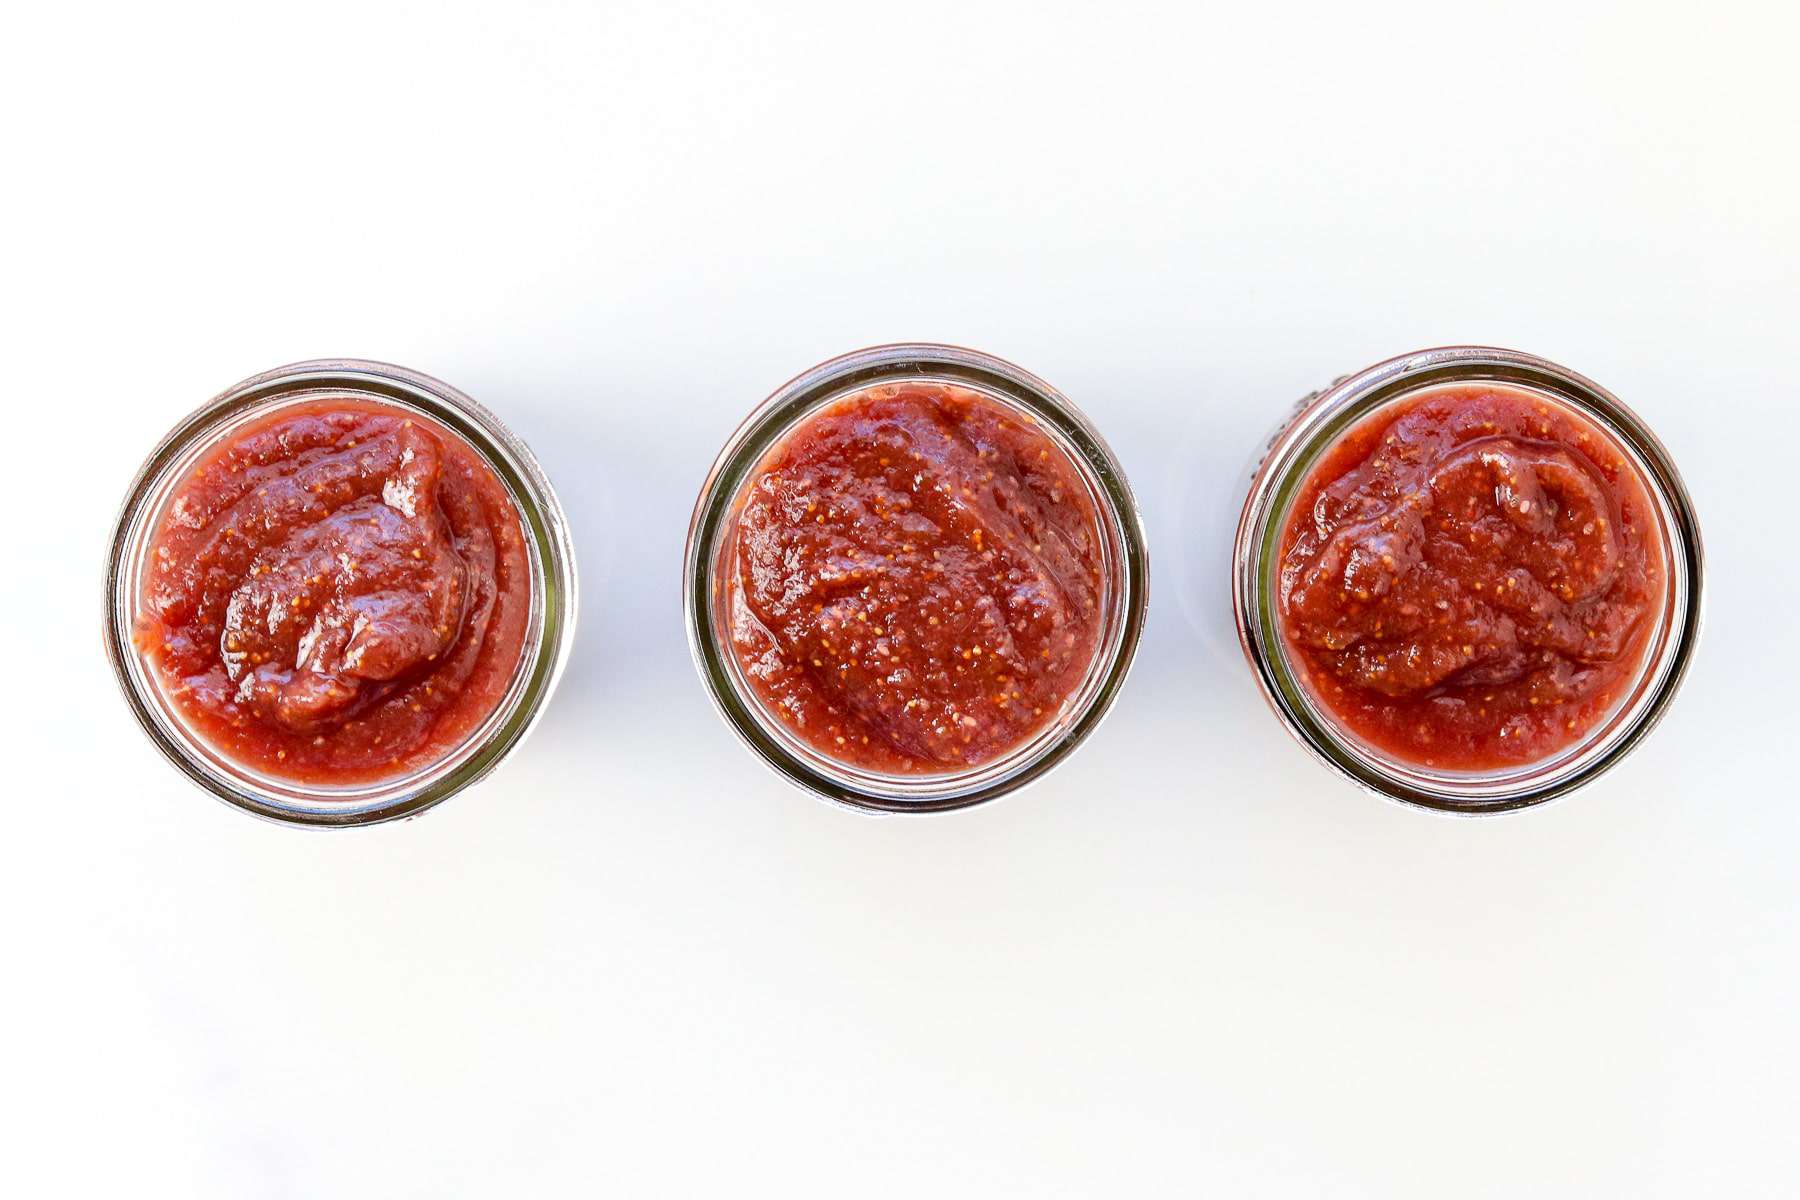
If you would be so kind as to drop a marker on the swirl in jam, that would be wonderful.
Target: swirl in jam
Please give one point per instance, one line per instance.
(914, 579)
(338, 592)
(1470, 577)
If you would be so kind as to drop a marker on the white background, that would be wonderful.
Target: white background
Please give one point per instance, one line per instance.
(636, 964)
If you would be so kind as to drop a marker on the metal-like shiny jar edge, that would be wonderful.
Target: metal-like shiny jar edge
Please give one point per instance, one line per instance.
(1316, 424)
(1127, 560)
(549, 637)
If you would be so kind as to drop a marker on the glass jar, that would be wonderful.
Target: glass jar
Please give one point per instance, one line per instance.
(1314, 427)
(548, 636)
(1124, 569)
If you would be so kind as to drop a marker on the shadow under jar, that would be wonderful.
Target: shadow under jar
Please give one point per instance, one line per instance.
(1467, 579)
(915, 579)
(339, 593)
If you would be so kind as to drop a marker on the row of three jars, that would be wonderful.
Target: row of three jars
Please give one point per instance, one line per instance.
(1465, 578)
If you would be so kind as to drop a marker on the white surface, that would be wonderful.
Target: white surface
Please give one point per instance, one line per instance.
(634, 963)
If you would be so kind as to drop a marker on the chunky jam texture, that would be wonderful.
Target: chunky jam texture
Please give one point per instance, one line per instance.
(915, 581)
(1471, 577)
(339, 592)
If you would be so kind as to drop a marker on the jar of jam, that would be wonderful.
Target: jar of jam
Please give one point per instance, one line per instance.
(1467, 578)
(339, 593)
(915, 579)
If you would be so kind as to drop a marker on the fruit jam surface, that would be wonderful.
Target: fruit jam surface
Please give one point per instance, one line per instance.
(1470, 578)
(338, 593)
(915, 580)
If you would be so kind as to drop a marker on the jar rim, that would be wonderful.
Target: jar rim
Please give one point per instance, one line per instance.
(1317, 424)
(783, 411)
(549, 636)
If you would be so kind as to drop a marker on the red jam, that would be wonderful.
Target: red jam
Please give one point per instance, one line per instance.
(338, 593)
(1471, 577)
(915, 582)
